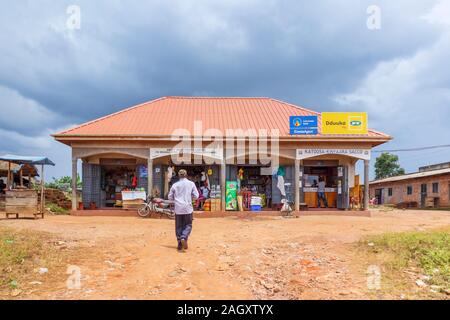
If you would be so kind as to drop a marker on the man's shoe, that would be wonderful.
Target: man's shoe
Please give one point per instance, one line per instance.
(184, 244)
(180, 246)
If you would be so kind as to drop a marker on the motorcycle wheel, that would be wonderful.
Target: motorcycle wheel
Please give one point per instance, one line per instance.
(144, 211)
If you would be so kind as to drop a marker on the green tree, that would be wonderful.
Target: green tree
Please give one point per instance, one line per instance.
(387, 166)
(63, 183)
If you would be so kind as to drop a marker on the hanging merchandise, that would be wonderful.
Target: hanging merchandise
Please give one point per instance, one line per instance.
(280, 185)
(241, 174)
(169, 175)
(204, 178)
(134, 181)
(143, 172)
(281, 171)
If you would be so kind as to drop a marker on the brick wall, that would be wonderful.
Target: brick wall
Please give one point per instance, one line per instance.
(399, 190)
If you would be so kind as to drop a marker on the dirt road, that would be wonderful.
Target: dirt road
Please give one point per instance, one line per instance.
(229, 258)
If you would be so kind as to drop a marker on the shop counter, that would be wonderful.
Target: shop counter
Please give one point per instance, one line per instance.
(310, 195)
(133, 199)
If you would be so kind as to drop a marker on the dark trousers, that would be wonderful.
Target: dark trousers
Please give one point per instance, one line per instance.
(183, 226)
(321, 195)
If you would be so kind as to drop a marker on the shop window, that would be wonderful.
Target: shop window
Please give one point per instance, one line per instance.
(409, 190)
(436, 187)
(390, 192)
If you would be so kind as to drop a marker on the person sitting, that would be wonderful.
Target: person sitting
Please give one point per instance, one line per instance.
(204, 195)
(205, 190)
(200, 200)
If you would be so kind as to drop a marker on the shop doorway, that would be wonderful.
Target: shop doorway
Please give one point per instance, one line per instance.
(206, 179)
(106, 182)
(317, 177)
(423, 194)
(250, 188)
(325, 180)
(379, 196)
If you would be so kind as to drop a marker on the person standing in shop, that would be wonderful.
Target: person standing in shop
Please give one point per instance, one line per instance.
(321, 193)
(182, 193)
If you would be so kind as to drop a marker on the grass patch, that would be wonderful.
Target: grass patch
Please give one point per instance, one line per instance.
(22, 254)
(55, 209)
(427, 252)
(430, 209)
(383, 207)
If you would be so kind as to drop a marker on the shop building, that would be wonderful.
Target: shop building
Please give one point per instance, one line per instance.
(231, 142)
(429, 187)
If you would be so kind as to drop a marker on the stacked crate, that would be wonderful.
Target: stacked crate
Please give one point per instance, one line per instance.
(21, 203)
(216, 205)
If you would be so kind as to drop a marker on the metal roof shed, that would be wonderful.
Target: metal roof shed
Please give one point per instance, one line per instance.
(34, 160)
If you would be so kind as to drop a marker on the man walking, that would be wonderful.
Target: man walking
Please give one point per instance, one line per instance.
(182, 193)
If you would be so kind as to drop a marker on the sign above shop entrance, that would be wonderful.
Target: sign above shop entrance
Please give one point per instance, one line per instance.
(355, 153)
(344, 123)
(303, 125)
(207, 152)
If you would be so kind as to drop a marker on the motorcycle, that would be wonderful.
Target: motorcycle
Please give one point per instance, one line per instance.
(158, 206)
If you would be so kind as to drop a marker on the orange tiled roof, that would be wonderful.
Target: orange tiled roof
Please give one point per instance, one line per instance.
(162, 116)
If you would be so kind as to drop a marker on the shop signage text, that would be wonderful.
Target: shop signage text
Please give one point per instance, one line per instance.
(162, 152)
(356, 153)
(303, 125)
(344, 123)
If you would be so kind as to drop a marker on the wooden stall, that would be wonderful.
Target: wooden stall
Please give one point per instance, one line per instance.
(20, 199)
(22, 203)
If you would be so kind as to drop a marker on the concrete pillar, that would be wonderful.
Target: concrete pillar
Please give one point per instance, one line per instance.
(366, 184)
(297, 185)
(223, 178)
(42, 191)
(74, 184)
(10, 179)
(150, 177)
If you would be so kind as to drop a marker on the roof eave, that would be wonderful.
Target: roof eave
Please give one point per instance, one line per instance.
(67, 137)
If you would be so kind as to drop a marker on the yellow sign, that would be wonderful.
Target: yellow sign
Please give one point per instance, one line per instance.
(344, 123)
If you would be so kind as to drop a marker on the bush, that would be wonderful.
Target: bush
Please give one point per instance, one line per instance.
(54, 208)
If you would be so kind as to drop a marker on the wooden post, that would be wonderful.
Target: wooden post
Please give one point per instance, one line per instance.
(223, 178)
(9, 184)
(42, 191)
(21, 177)
(366, 184)
(297, 185)
(74, 184)
(150, 177)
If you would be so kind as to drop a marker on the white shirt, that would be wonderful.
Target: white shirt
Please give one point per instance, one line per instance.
(182, 193)
(205, 191)
(321, 187)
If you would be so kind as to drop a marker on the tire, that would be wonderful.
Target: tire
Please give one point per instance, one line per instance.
(144, 211)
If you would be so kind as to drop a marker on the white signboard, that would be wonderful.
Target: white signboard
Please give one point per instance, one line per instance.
(314, 152)
(133, 195)
(162, 152)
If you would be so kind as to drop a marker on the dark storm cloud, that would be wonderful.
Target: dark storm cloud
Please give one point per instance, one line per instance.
(316, 54)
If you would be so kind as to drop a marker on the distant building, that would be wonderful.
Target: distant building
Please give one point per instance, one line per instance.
(429, 187)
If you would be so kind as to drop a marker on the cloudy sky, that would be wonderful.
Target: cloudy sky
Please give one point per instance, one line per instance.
(319, 54)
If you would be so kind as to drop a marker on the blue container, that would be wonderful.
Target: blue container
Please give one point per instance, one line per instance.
(255, 207)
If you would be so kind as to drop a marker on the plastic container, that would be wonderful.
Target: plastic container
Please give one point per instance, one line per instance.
(255, 207)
